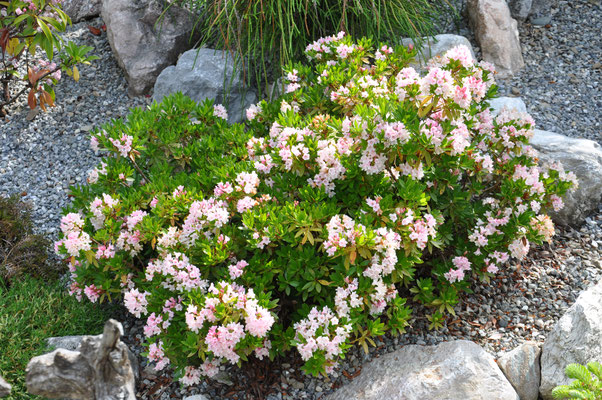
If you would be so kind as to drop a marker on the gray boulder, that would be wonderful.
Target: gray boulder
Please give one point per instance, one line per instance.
(437, 46)
(521, 367)
(206, 74)
(582, 157)
(99, 369)
(497, 34)
(144, 39)
(576, 338)
(520, 9)
(5, 387)
(508, 102)
(79, 10)
(453, 370)
(196, 397)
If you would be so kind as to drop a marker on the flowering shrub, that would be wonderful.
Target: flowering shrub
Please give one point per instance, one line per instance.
(366, 179)
(25, 26)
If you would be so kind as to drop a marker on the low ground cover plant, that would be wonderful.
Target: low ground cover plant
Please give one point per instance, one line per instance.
(32, 310)
(28, 27)
(308, 228)
(21, 251)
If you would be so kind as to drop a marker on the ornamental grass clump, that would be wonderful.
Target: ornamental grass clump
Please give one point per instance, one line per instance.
(309, 228)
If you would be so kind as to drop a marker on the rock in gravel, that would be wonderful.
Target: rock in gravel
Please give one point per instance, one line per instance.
(509, 102)
(497, 34)
(576, 338)
(5, 387)
(438, 45)
(521, 367)
(79, 10)
(520, 9)
(459, 369)
(100, 369)
(584, 158)
(196, 397)
(72, 343)
(145, 39)
(206, 74)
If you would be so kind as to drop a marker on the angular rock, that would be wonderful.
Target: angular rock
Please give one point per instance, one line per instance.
(452, 370)
(438, 45)
(72, 343)
(5, 387)
(541, 12)
(509, 102)
(520, 9)
(145, 40)
(100, 369)
(206, 74)
(521, 367)
(582, 157)
(497, 34)
(576, 338)
(79, 10)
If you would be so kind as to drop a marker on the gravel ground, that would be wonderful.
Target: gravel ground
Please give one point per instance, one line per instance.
(41, 158)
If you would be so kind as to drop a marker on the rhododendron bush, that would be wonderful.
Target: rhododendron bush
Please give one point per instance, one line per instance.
(365, 187)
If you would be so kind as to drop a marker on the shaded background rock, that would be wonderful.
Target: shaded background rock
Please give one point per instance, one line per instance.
(584, 158)
(145, 40)
(576, 338)
(438, 45)
(520, 9)
(521, 367)
(100, 369)
(5, 387)
(206, 74)
(79, 10)
(452, 370)
(497, 35)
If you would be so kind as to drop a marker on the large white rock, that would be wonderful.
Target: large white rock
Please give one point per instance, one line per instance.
(196, 397)
(5, 387)
(79, 10)
(145, 39)
(206, 74)
(584, 158)
(521, 367)
(437, 46)
(458, 370)
(576, 338)
(497, 34)
(508, 102)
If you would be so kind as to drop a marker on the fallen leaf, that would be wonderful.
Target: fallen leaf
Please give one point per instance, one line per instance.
(95, 31)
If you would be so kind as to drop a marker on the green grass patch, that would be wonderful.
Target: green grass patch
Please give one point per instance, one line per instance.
(32, 310)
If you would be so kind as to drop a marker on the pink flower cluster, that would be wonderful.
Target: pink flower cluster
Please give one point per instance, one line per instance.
(462, 265)
(202, 215)
(342, 232)
(123, 145)
(220, 111)
(175, 272)
(323, 332)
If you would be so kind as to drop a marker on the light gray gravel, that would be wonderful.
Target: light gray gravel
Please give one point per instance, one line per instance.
(40, 159)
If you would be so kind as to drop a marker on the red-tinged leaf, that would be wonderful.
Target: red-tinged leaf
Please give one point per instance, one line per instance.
(31, 99)
(4, 38)
(104, 27)
(23, 194)
(30, 75)
(95, 31)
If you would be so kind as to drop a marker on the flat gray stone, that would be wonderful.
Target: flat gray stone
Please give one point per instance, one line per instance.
(458, 370)
(576, 338)
(206, 74)
(196, 397)
(583, 157)
(521, 367)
